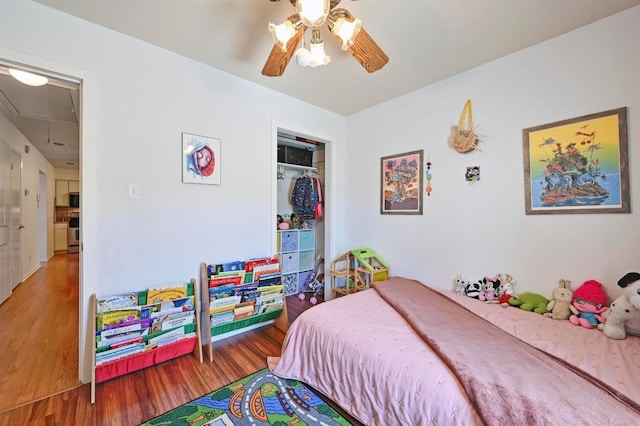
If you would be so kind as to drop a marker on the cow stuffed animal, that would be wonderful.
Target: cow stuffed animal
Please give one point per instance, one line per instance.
(624, 312)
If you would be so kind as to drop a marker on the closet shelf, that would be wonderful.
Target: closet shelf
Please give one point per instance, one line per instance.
(285, 166)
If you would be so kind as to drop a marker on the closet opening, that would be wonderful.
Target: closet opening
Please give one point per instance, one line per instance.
(301, 214)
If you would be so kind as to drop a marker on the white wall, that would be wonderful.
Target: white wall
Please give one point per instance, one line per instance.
(32, 164)
(68, 174)
(137, 100)
(482, 229)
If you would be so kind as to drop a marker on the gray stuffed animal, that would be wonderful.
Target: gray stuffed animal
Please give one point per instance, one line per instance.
(624, 312)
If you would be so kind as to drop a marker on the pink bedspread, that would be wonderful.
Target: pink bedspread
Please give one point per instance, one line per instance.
(358, 351)
(362, 353)
(615, 362)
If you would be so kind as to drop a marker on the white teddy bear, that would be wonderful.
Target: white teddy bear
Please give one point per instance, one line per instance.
(624, 312)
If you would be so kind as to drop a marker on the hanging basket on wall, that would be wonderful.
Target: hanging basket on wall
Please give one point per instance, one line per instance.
(465, 139)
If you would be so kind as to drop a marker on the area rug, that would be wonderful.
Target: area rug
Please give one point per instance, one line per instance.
(261, 398)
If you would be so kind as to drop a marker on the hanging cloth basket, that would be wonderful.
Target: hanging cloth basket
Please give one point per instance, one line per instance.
(464, 139)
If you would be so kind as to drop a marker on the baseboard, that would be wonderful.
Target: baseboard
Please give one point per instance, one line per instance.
(33, 271)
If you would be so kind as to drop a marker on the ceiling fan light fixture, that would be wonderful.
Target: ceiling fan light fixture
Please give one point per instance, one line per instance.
(303, 57)
(347, 31)
(313, 12)
(316, 48)
(28, 78)
(282, 33)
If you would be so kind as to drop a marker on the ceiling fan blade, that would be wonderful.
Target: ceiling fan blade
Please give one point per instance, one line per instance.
(364, 49)
(278, 60)
(368, 53)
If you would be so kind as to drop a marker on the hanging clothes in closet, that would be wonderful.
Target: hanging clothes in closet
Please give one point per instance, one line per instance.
(306, 197)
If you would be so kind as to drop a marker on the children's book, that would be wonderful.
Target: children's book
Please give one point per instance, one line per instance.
(222, 291)
(113, 318)
(178, 305)
(230, 266)
(165, 293)
(117, 302)
(221, 304)
(270, 279)
(270, 268)
(218, 280)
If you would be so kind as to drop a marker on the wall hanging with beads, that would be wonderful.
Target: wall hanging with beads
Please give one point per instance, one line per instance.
(465, 139)
(428, 177)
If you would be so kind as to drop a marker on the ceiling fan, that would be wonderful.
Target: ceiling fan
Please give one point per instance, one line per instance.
(313, 13)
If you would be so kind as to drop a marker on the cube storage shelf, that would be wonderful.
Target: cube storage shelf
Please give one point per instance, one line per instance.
(211, 334)
(296, 248)
(147, 358)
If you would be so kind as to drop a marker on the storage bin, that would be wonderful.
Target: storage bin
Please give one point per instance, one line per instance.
(289, 241)
(306, 239)
(304, 278)
(289, 262)
(305, 260)
(290, 283)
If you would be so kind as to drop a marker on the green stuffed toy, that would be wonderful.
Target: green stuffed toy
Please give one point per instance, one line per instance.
(530, 302)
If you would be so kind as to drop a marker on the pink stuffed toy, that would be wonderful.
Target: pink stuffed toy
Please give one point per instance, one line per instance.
(589, 299)
(490, 288)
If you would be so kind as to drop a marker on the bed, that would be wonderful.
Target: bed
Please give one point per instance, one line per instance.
(402, 353)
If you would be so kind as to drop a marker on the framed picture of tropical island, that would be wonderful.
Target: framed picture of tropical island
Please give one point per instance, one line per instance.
(401, 183)
(579, 165)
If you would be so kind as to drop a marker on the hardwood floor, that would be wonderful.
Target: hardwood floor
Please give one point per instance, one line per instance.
(142, 395)
(39, 335)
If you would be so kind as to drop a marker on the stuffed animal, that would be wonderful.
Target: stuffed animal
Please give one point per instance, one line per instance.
(560, 307)
(530, 302)
(460, 285)
(490, 288)
(505, 291)
(589, 299)
(624, 313)
(474, 289)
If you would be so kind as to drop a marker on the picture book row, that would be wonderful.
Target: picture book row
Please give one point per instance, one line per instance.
(132, 323)
(241, 289)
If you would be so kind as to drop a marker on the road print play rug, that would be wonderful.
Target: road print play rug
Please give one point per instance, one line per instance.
(258, 399)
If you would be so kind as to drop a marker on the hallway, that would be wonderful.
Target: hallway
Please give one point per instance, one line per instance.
(39, 335)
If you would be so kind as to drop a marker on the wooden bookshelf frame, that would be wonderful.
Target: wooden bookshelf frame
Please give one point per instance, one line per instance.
(281, 322)
(197, 348)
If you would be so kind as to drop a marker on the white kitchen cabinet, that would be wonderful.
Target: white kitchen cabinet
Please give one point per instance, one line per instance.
(62, 193)
(63, 188)
(74, 186)
(60, 236)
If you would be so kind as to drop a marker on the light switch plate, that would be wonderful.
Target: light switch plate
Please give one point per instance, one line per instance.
(134, 191)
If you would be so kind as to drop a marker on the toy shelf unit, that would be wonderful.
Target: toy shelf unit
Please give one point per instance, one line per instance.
(296, 249)
(355, 270)
(240, 296)
(136, 330)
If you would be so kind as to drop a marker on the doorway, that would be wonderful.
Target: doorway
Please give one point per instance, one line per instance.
(302, 165)
(33, 113)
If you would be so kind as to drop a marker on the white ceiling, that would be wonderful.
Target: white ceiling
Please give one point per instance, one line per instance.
(46, 115)
(426, 40)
